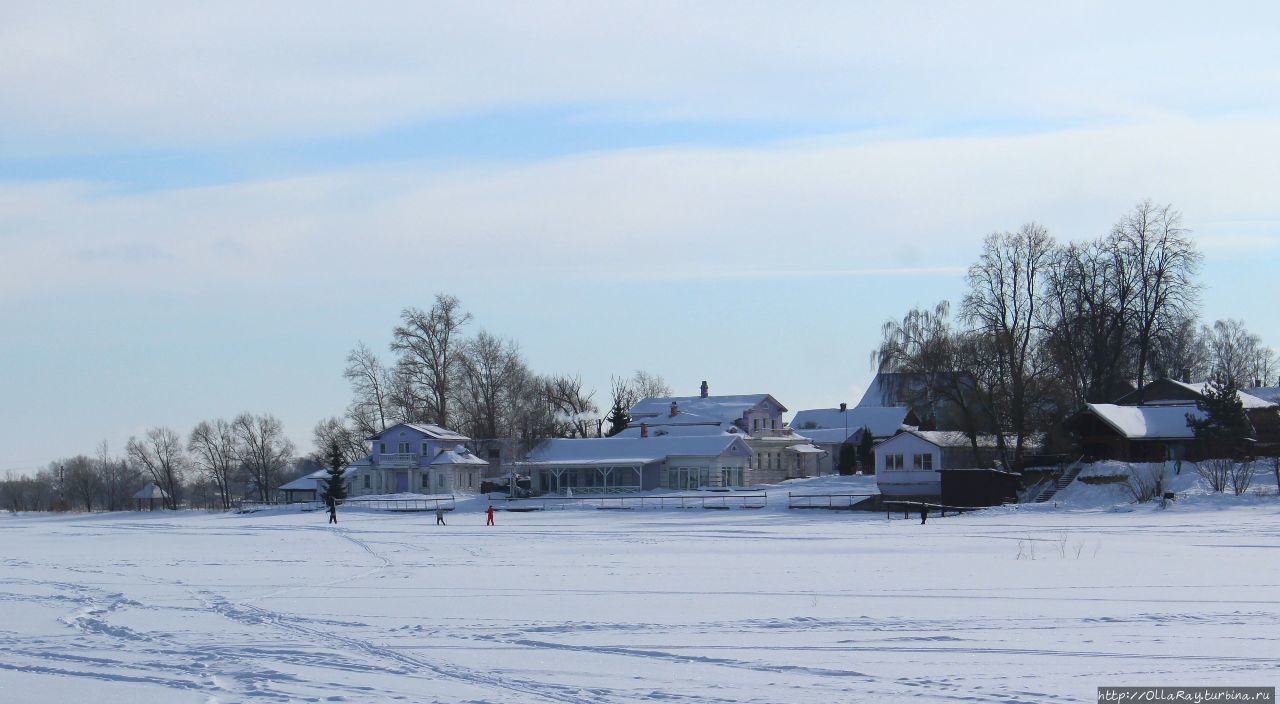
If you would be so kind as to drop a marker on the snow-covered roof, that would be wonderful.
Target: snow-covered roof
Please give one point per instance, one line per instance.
(726, 408)
(432, 431)
(1196, 390)
(1147, 422)
(315, 480)
(956, 438)
(1248, 400)
(458, 455)
(883, 420)
(310, 482)
(151, 491)
(805, 449)
(680, 418)
(662, 429)
(633, 450)
(1266, 393)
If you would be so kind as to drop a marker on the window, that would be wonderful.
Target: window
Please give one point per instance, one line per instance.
(426, 481)
(382, 448)
(755, 423)
(893, 461)
(403, 448)
(366, 481)
(924, 461)
(773, 423)
(424, 450)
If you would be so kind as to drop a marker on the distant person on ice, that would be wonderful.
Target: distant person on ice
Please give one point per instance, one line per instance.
(488, 521)
(924, 513)
(440, 517)
(333, 511)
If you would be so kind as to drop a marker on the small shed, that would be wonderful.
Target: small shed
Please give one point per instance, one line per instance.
(979, 487)
(147, 496)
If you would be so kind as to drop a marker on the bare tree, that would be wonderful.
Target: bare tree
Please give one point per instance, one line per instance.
(117, 478)
(1161, 262)
(1003, 304)
(81, 484)
(262, 449)
(428, 346)
(159, 453)
(371, 387)
(577, 412)
(1085, 318)
(333, 435)
(214, 453)
(491, 373)
(930, 366)
(1238, 356)
(647, 385)
(1181, 351)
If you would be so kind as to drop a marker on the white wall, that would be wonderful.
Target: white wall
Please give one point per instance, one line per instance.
(908, 446)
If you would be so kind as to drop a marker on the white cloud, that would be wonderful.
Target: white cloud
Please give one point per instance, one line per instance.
(793, 209)
(118, 75)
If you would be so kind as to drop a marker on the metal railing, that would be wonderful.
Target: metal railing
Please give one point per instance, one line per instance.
(398, 459)
(419, 503)
(599, 490)
(826, 501)
(919, 506)
(709, 501)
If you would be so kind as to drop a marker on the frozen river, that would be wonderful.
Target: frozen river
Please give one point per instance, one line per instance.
(622, 606)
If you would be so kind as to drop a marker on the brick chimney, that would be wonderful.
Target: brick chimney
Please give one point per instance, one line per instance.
(675, 409)
(644, 430)
(705, 389)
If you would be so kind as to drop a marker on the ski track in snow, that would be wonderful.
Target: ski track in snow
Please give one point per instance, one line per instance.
(616, 607)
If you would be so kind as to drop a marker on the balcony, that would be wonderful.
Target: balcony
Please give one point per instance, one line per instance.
(395, 460)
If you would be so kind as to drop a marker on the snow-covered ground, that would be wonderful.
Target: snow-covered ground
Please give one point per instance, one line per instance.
(1029, 604)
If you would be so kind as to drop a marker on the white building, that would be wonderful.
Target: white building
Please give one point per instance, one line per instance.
(415, 458)
(907, 464)
(620, 465)
(830, 429)
(777, 453)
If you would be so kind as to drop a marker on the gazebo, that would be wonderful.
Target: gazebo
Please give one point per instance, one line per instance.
(149, 494)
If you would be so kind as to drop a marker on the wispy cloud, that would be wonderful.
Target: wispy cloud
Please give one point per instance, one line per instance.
(84, 79)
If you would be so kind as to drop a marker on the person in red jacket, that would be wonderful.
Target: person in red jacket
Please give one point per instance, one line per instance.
(488, 521)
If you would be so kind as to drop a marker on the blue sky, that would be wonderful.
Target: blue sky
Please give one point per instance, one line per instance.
(203, 207)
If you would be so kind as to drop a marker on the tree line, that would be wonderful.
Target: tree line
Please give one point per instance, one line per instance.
(217, 463)
(477, 384)
(1046, 326)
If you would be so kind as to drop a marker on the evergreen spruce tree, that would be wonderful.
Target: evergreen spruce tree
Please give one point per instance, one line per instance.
(865, 454)
(848, 458)
(618, 419)
(334, 489)
(1225, 429)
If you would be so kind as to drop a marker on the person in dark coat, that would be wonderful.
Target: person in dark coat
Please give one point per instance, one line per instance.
(924, 513)
(440, 517)
(488, 521)
(333, 511)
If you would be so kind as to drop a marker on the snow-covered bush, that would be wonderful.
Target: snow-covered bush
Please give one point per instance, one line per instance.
(1240, 476)
(1216, 472)
(1145, 482)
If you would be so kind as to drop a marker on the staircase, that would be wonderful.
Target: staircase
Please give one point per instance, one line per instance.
(1060, 482)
